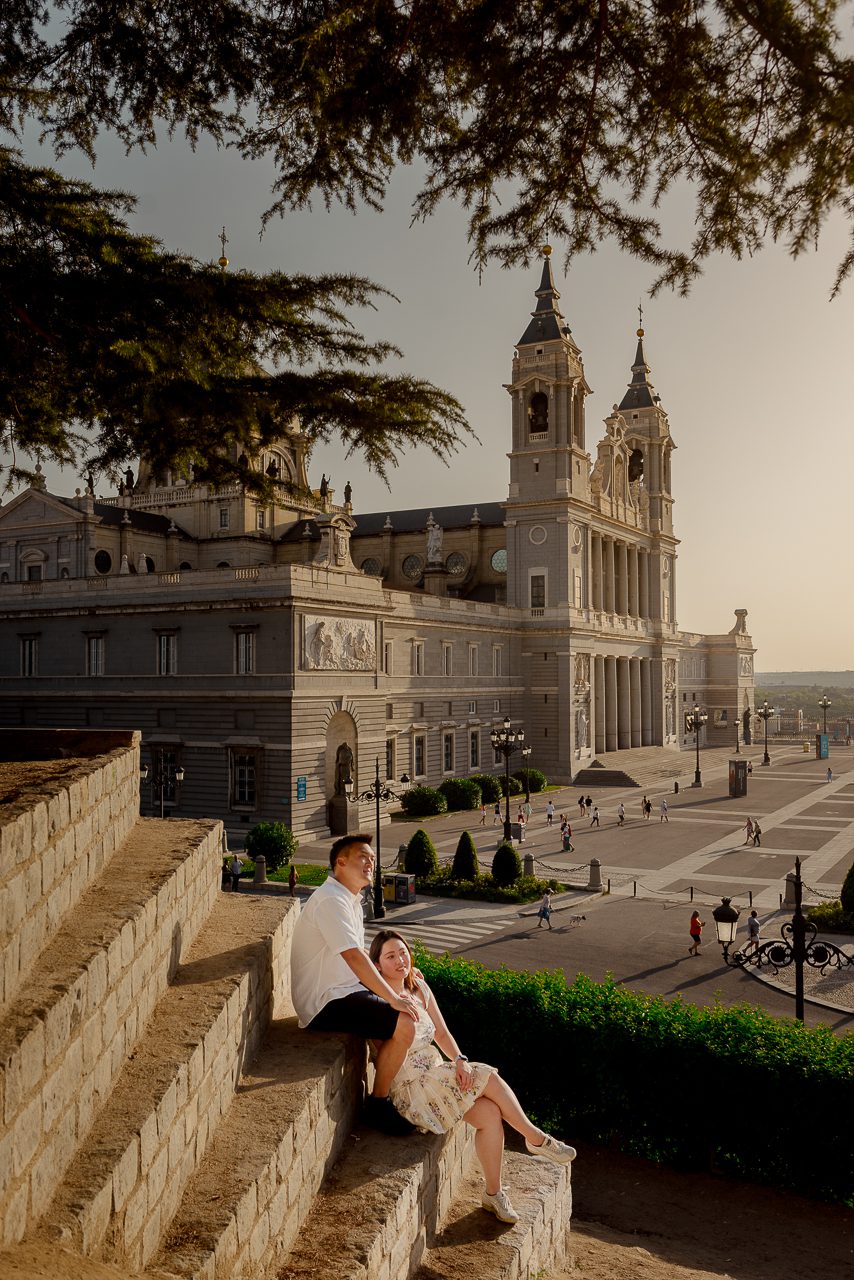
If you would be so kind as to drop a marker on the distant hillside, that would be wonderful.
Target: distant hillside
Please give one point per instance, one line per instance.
(807, 679)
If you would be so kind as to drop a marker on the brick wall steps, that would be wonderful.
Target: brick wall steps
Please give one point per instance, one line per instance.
(603, 778)
(380, 1206)
(65, 1037)
(472, 1242)
(127, 1178)
(38, 1260)
(293, 1110)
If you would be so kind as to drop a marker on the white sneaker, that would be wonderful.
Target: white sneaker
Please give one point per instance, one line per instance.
(557, 1152)
(500, 1206)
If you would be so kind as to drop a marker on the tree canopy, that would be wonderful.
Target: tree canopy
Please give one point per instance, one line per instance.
(562, 119)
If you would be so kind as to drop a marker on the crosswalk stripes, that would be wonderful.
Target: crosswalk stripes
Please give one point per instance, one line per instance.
(450, 936)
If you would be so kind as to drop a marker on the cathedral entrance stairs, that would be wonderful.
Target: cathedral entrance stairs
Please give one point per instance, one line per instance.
(642, 767)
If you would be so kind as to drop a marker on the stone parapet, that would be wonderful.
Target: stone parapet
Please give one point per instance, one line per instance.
(66, 1036)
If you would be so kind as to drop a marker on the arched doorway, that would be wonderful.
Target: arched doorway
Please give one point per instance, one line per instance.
(341, 762)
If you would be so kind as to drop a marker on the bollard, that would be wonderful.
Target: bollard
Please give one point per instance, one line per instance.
(260, 871)
(750, 897)
(528, 864)
(692, 893)
(634, 888)
(790, 890)
(595, 881)
(609, 884)
(676, 788)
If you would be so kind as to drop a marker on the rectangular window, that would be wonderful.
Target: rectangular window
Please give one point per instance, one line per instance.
(243, 779)
(94, 655)
(496, 659)
(496, 705)
(388, 657)
(167, 654)
(418, 657)
(389, 758)
(577, 590)
(474, 749)
(448, 752)
(497, 757)
(223, 517)
(419, 751)
(472, 659)
(666, 602)
(29, 656)
(389, 711)
(245, 652)
(447, 659)
(34, 573)
(473, 707)
(538, 591)
(260, 519)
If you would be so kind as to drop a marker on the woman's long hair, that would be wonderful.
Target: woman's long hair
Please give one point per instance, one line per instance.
(379, 941)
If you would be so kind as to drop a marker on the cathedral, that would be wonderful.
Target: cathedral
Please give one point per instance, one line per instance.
(266, 647)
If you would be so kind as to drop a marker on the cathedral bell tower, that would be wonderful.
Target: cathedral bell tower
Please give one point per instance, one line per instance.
(549, 464)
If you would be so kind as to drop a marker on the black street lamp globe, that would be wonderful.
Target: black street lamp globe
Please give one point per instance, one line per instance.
(377, 791)
(696, 719)
(505, 741)
(726, 922)
(824, 703)
(766, 713)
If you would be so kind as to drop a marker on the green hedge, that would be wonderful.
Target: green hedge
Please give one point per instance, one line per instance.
(461, 793)
(490, 787)
(537, 780)
(420, 858)
(483, 888)
(830, 917)
(272, 841)
(423, 802)
(760, 1098)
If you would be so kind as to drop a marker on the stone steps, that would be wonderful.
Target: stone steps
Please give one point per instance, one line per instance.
(472, 1242)
(604, 778)
(380, 1207)
(126, 1180)
(66, 1035)
(292, 1113)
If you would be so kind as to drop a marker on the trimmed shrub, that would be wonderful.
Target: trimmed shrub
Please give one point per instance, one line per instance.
(490, 787)
(421, 857)
(461, 793)
(603, 1052)
(506, 867)
(846, 897)
(516, 788)
(465, 864)
(423, 802)
(829, 917)
(272, 841)
(484, 889)
(537, 780)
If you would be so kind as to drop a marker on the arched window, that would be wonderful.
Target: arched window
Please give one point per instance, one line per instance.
(635, 465)
(538, 414)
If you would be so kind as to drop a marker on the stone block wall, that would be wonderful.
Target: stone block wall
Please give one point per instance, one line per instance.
(54, 840)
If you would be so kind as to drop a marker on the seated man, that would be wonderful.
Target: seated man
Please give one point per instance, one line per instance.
(335, 985)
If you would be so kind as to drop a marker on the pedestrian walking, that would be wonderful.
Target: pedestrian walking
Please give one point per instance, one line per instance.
(757, 832)
(528, 810)
(829, 774)
(226, 875)
(588, 804)
(594, 821)
(545, 911)
(496, 812)
(748, 827)
(236, 868)
(647, 809)
(621, 814)
(483, 815)
(550, 813)
(581, 805)
(752, 933)
(662, 811)
(695, 928)
(749, 768)
(567, 839)
(292, 880)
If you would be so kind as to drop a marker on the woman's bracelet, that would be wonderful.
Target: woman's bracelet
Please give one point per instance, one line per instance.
(461, 1057)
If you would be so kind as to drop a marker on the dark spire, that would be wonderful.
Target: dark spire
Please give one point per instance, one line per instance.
(641, 392)
(547, 323)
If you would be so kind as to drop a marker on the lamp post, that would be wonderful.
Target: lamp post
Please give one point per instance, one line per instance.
(797, 945)
(765, 713)
(696, 720)
(164, 777)
(377, 791)
(824, 703)
(526, 755)
(505, 741)
(726, 922)
(737, 747)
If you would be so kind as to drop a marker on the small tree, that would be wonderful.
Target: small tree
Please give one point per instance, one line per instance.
(465, 865)
(847, 894)
(421, 857)
(506, 867)
(490, 786)
(272, 841)
(423, 802)
(461, 793)
(537, 780)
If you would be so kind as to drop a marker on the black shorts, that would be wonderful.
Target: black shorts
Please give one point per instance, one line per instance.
(361, 1013)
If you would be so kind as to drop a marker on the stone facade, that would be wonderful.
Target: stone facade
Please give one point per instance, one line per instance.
(259, 645)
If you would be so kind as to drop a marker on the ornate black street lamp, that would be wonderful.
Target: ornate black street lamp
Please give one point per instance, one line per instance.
(737, 747)
(526, 756)
(165, 776)
(726, 922)
(505, 741)
(377, 791)
(696, 719)
(797, 945)
(766, 713)
(824, 703)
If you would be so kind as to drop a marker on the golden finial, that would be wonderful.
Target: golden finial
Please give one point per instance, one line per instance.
(547, 250)
(640, 319)
(223, 239)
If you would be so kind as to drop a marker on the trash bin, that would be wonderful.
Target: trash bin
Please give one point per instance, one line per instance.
(389, 888)
(404, 889)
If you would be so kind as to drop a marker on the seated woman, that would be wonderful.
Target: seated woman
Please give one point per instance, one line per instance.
(434, 1094)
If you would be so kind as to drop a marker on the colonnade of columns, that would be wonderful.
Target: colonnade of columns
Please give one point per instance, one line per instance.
(620, 578)
(623, 704)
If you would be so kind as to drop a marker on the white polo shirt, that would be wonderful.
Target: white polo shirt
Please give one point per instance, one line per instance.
(329, 923)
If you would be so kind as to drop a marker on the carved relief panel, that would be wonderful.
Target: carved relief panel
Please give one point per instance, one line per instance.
(338, 644)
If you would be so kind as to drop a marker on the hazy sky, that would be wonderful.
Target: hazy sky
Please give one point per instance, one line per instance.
(754, 369)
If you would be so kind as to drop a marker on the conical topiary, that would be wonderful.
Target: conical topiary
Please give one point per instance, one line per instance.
(506, 867)
(847, 894)
(465, 865)
(421, 857)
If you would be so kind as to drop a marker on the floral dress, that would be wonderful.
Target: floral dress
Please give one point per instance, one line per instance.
(425, 1089)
